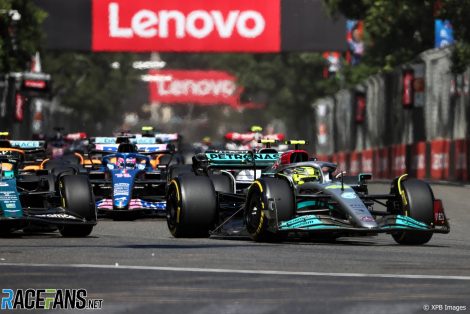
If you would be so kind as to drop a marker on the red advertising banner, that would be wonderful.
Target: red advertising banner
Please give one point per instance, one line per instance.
(197, 87)
(418, 160)
(192, 25)
(19, 107)
(398, 160)
(355, 163)
(381, 161)
(322, 157)
(367, 161)
(460, 159)
(440, 159)
(342, 160)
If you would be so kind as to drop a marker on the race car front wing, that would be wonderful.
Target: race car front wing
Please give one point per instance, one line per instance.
(386, 224)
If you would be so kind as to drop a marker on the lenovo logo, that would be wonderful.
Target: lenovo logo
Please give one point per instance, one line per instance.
(205, 25)
(201, 87)
(224, 88)
(197, 24)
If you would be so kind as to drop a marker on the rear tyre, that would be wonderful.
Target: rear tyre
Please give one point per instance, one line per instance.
(78, 199)
(256, 221)
(191, 206)
(420, 207)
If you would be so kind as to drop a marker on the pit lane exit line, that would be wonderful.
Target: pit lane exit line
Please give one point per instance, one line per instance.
(240, 271)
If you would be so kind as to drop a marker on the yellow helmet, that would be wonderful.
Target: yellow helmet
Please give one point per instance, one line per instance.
(302, 174)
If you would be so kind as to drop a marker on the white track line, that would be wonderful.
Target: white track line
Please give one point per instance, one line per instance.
(241, 271)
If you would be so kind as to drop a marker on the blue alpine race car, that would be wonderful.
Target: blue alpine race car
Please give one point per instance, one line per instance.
(128, 182)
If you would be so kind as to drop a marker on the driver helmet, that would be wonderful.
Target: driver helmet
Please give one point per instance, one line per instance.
(120, 163)
(6, 170)
(303, 174)
(131, 163)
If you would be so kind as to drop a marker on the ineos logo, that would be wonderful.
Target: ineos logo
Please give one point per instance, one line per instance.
(197, 24)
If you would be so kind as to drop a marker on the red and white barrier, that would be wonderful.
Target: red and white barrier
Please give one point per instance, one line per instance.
(354, 163)
(342, 160)
(440, 150)
(321, 157)
(460, 159)
(367, 161)
(418, 160)
(382, 163)
(398, 156)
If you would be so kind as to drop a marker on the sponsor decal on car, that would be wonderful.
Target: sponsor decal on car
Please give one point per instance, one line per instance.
(105, 140)
(241, 157)
(367, 219)
(27, 144)
(349, 195)
(123, 175)
(59, 216)
(121, 189)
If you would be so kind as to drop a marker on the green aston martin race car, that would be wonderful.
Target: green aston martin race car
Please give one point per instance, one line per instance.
(60, 198)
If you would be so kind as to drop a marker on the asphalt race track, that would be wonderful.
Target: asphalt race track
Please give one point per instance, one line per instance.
(137, 267)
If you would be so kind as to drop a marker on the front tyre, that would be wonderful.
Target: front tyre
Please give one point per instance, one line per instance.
(256, 221)
(78, 199)
(420, 203)
(191, 206)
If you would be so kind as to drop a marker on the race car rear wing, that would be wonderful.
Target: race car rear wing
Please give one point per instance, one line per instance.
(148, 149)
(34, 151)
(28, 145)
(103, 140)
(239, 159)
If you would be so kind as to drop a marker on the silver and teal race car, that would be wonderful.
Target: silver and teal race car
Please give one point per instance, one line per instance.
(44, 200)
(295, 195)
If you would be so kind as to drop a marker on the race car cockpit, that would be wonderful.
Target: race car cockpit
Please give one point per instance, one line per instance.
(303, 174)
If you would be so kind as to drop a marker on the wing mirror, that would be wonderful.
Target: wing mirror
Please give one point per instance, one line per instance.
(364, 177)
(340, 175)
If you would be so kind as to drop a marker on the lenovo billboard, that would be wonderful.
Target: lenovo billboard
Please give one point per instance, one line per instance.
(202, 25)
(193, 86)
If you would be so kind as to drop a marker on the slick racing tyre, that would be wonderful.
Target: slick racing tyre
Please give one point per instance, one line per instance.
(191, 206)
(256, 221)
(420, 201)
(77, 198)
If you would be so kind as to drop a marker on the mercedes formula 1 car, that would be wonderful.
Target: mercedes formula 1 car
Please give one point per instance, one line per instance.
(60, 198)
(293, 195)
(127, 183)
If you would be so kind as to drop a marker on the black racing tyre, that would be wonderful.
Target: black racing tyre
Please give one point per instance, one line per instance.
(77, 198)
(255, 219)
(222, 183)
(420, 207)
(191, 206)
